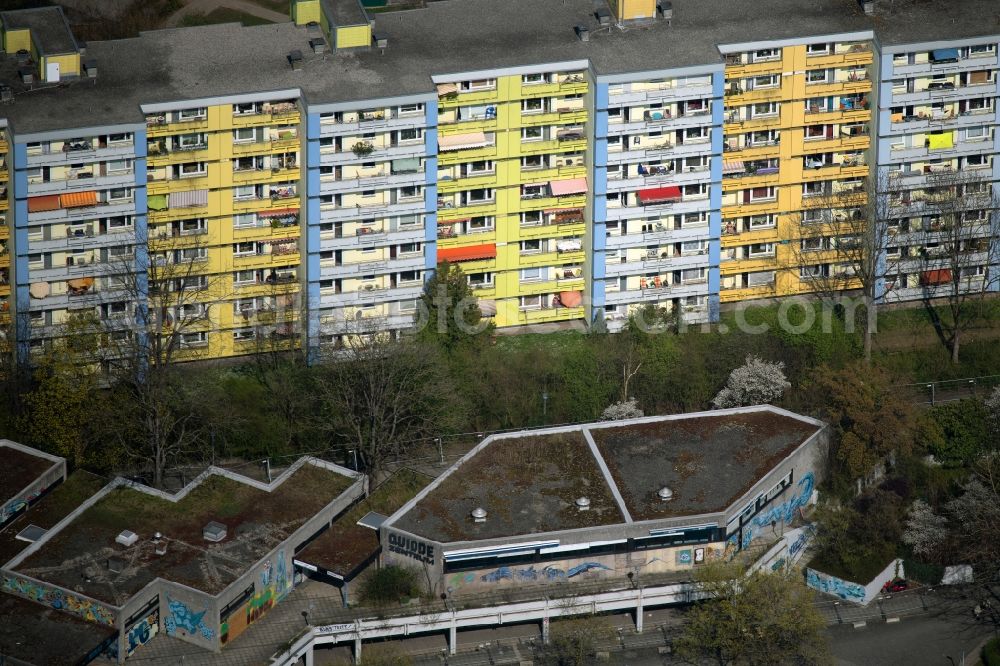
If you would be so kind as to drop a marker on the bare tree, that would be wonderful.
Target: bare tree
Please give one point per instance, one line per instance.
(153, 412)
(956, 251)
(382, 395)
(839, 245)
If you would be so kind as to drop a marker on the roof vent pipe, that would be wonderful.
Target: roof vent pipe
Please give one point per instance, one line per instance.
(665, 494)
(479, 515)
(583, 504)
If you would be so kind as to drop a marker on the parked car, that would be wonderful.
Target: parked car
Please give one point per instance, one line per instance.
(897, 585)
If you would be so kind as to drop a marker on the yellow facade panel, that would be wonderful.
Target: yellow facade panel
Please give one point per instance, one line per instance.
(354, 36)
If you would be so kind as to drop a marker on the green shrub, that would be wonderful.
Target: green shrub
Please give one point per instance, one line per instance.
(991, 653)
(955, 432)
(390, 584)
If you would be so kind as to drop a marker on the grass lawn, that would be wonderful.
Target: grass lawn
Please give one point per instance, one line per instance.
(223, 15)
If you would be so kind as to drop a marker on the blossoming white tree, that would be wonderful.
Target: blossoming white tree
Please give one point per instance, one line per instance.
(756, 382)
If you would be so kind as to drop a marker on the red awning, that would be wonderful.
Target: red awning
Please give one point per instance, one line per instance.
(279, 212)
(42, 204)
(468, 253)
(659, 195)
(942, 276)
(455, 221)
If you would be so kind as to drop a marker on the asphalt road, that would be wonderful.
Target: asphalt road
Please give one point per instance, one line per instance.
(918, 640)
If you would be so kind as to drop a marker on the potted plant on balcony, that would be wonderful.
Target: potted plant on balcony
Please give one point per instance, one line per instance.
(362, 149)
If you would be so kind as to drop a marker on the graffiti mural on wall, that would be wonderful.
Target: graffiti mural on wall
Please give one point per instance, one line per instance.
(16, 506)
(141, 633)
(274, 586)
(784, 512)
(182, 621)
(58, 599)
(832, 585)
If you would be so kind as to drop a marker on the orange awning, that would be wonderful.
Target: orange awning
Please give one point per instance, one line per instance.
(468, 253)
(942, 276)
(42, 204)
(80, 283)
(570, 299)
(78, 199)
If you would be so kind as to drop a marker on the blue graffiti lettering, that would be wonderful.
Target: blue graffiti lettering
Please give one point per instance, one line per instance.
(585, 567)
(784, 512)
(835, 586)
(184, 619)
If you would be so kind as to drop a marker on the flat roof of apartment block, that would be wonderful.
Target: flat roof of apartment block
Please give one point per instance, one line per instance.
(49, 29)
(18, 469)
(31, 633)
(444, 38)
(79, 556)
(531, 483)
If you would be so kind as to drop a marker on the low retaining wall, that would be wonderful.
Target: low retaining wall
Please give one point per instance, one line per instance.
(856, 592)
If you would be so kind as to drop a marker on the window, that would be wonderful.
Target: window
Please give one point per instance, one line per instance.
(534, 79)
(243, 334)
(483, 166)
(192, 114)
(981, 50)
(817, 49)
(191, 170)
(977, 161)
(813, 132)
(814, 189)
(119, 223)
(410, 109)
(245, 277)
(531, 218)
(761, 193)
(533, 162)
(761, 221)
(817, 105)
(817, 76)
(763, 55)
(532, 133)
(761, 82)
(765, 109)
(247, 109)
(535, 105)
(531, 274)
(245, 220)
(531, 246)
(119, 194)
(693, 247)
(189, 141)
(119, 166)
(411, 135)
(194, 339)
(244, 135)
(812, 244)
(409, 305)
(480, 224)
(693, 275)
(976, 134)
(530, 302)
(409, 248)
(479, 84)
(761, 249)
(409, 276)
(533, 191)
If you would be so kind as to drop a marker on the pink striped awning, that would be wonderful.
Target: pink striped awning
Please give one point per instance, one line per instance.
(569, 186)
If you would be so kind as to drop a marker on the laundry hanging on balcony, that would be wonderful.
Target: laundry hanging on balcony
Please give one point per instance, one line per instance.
(569, 186)
(941, 141)
(468, 253)
(78, 199)
(191, 199)
(659, 195)
(569, 246)
(42, 204)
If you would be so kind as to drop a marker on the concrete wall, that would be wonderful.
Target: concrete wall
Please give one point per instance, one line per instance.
(856, 592)
(34, 488)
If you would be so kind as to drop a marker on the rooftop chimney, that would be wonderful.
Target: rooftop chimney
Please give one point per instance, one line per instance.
(90, 66)
(295, 59)
(666, 10)
(27, 75)
(318, 45)
(381, 42)
(582, 33)
(868, 6)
